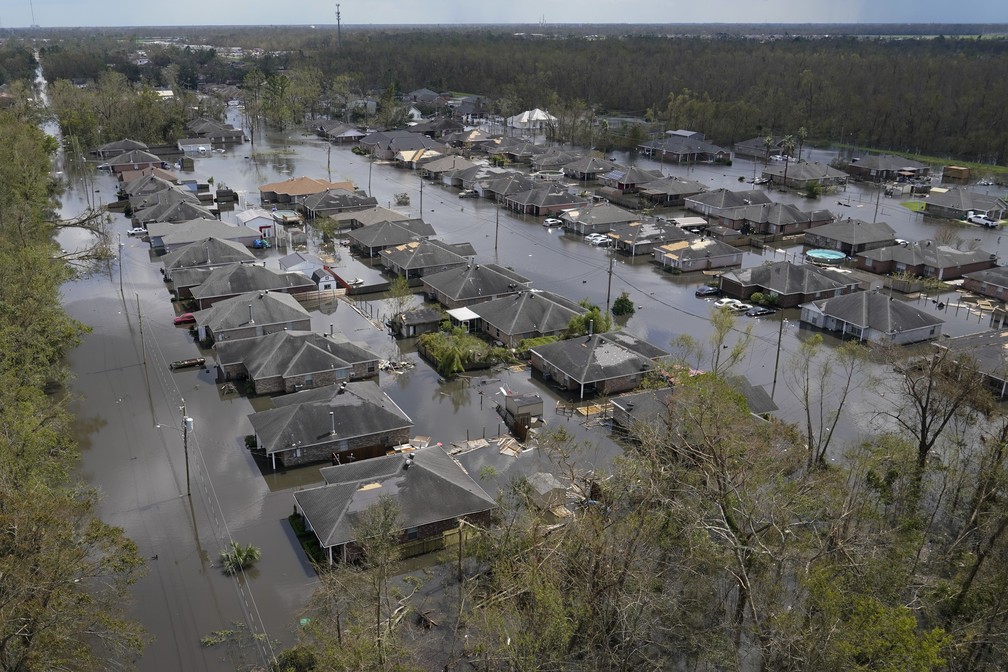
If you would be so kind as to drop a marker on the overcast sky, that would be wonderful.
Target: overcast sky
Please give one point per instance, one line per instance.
(51, 13)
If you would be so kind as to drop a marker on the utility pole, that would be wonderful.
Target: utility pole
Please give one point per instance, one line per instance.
(608, 293)
(143, 345)
(187, 424)
(370, 165)
(121, 248)
(780, 333)
(421, 197)
(497, 228)
(878, 197)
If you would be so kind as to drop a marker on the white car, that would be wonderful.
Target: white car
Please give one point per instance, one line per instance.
(137, 231)
(730, 304)
(552, 221)
(982, 220)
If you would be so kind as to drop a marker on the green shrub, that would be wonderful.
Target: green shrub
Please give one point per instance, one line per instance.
(236, 557)
(623, 305)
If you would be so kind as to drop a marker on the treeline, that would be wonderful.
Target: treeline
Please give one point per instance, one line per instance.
(942, 96)
(63, 572)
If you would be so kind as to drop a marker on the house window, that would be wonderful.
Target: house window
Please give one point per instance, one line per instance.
(412, 533)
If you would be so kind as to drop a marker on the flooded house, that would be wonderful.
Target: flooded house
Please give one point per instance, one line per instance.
(290, 361)
(792, 284)
(926, 258)
(595, 218)
(294, 191)
(851, 236)
(369, 241)
(473, 283)
(234, 279)
(343, 423)
(167, 237)
(530, 314)
(250, 315)
(871, 316)
(418, 259)
(697, 253)
(419, 320)
(599, 364)
(432, 491)
(206, 253)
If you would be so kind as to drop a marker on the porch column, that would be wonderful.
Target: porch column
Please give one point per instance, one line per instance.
(329, 550)
(273, 457)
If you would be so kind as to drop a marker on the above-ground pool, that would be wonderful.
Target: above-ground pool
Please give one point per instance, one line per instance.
(825, 256)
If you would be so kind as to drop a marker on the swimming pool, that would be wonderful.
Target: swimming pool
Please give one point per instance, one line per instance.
(825, 256)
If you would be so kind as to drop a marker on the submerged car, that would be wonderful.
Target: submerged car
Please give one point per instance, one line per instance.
(185, 318)
(982, 220)
(707, 290)
(758, 311)
(728, 303)
(552, 221)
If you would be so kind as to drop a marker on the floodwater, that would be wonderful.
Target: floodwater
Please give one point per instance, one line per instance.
(129, 403)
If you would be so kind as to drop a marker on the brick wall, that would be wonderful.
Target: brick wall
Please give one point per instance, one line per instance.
(362, 448)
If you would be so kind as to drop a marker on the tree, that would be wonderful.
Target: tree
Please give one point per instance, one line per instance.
(63, 572)
(717, 354)
(623, 305)
(821, 382)
(236, 557)
(787, 146)
(593, 320)
(400, 296)
(802, 134)
(929, 392)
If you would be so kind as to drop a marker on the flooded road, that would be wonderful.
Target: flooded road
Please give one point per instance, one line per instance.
(129, 401)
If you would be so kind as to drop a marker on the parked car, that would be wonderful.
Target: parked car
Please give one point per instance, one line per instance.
(728, 303)
(595, 236)
(552, 221)
(468, 193)
(601, 242)
(137, 231)
(982, 220)
(707, 290)
(758, 311)
(185, 318)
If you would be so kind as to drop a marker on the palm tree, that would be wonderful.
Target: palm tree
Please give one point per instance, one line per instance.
(237, 557)
(767, 144)
(802, 134)
(787, 146)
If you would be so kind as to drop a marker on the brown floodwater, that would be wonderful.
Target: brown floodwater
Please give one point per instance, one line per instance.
(128, 401)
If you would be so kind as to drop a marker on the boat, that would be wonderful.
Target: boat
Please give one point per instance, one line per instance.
(188, 363)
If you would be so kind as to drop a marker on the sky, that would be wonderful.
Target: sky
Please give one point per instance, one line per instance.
(82, 13)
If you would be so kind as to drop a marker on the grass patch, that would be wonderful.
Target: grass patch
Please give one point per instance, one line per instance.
(915, 206)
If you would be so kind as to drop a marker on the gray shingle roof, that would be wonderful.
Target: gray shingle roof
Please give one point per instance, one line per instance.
(786, 278)
(434, 488)
(425, 254)
(805, 170)
(292, 353)
(876, 311)
(590, 359)
(997, 276)
(193, 230)
(302, 419)
(385, 234)
(528, 312)
(926, 253)
(243, 278)
(210, 250)
(723, 198)
(475, 281)
(855, 231)
(267, 309)
(965, 200)
(888, 162)
(596, 214)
